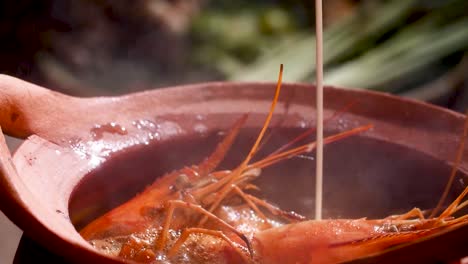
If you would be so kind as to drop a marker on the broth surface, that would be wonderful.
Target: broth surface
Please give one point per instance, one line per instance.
(365, 177)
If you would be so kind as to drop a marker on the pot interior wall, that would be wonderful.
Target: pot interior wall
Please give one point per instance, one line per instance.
(364, 177)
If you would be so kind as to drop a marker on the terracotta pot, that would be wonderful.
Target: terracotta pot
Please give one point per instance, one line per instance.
(404, 161)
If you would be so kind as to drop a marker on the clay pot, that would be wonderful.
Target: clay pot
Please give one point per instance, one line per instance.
(83, 156)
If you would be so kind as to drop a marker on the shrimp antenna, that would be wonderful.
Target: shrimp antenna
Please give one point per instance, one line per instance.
(453, 173)
(267, 120)
(227, 182)
(311, 130)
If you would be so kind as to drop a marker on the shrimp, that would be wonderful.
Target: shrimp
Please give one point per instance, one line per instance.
(199, 215)
(341, 240)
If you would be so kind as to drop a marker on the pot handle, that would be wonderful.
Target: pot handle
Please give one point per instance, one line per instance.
(27, 109)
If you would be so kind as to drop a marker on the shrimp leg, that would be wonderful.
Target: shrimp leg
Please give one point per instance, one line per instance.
(173, 204)
(249, 201)
(415, 212)
(196, 230)
(291, 216)
(253, 201)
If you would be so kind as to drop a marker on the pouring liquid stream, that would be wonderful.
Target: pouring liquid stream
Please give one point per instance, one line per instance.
(319, 108)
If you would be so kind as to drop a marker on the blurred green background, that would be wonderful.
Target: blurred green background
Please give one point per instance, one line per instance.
(415, 48)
